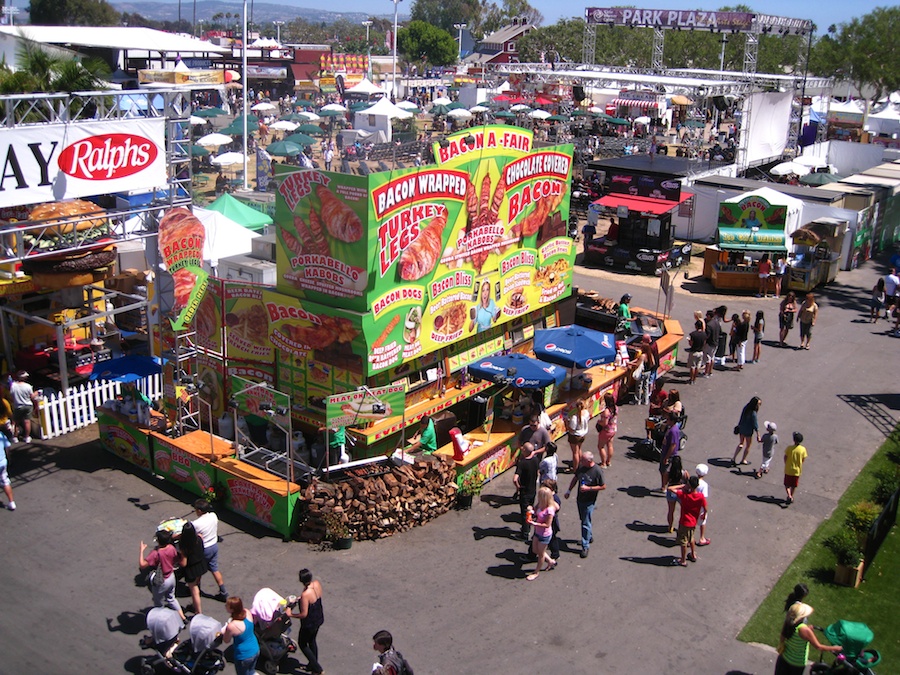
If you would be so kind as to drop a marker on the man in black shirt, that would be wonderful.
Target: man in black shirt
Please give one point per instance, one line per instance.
(589, 479)
(525, 479)
(713, 331)
(696, 341)
(535, 434)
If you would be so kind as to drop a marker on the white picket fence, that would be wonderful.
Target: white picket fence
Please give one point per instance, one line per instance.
(77, 408)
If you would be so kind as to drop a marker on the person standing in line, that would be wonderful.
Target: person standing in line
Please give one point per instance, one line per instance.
(589, 479)
(312, 616)
(692, 505)
(732, 338)
(764, 269)
(742, 334)
(746, 428)
(608, 427)
(577, 426)
(553, 547)
(6, 414)
(671, 445)
(891, 287)
(678, 475)
(809, 312)
(794, 456)
(759, 332)
(769, 440)
(786, 312)
(206, 525)
(548, 468)
(534, 433)
(542, 519)
(703, 489)
(713, 331)
(525, 480)
(4, 474)
(240, 629)
(390, 661)
(780, 272)
(652, 359)
(696, 341)
(876, 304)
(24, 401)
(796, 638)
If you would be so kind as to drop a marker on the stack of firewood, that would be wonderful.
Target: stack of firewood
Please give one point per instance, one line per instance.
(379, 506)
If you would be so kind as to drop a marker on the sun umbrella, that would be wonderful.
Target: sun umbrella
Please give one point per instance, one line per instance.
(300, 139)
(307, 115)
(618, 121)
(820, 178)
(460, 114)
(518, 370)
(643, 119)
(336, 107)
(199, 151)
(439, 109)
(263, 106)
(196, 121)
(505, 114)
(520, 107)
(126, 369)
(228, 158)
(284, 149)
(442, 100)
(479, 109)
(787, 168)
(310, 130)
(252, 120)
(579, 113)
(283, 125)
(214, 140)
(539, 114)
(574, 346)
(330, 113)
(236, 128)
(407, 105)
(456, 105)
(209, 112)
(558, 118)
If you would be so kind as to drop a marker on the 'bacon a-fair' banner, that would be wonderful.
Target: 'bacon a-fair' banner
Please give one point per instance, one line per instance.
(52, 162)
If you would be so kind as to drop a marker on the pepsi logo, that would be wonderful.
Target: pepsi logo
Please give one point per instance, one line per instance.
(520, 381)
(588, 363)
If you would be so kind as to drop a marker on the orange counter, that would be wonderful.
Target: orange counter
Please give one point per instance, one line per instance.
(258, 495)
(187, 460)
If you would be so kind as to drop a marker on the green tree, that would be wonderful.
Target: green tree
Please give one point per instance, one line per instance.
(565, 37)
(73, 13)
(40, 71)
(496, 16)
(444, 13)
(418, 40)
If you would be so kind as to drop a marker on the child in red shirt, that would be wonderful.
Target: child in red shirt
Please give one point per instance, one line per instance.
(693, 503)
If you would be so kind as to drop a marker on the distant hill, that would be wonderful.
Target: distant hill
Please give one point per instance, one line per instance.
(263, 12)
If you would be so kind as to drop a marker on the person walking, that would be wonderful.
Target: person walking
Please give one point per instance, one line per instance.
(703, 488)
(794, 456)
(876, 304)
(4, 473)
(692, 505)
(193, 562)
(390, 661)
(786, 313)
(891, 288)
(796, 638)
(769, 440)
(542, 519)
(240, 629)
(746, 428)
(525, 480)
(759, 332)
(312, 616)
(809, 312)
(742, 334)
(577, 426)
(328, 156)
(24, 401)
(163, 557)
(206, 524)
(589, 479)
(608, 427)
(671, 446)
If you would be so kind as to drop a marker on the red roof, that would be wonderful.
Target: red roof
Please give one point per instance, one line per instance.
(642, 204)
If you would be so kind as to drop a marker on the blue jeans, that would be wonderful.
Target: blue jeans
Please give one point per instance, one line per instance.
(585, 510)
(247, 666)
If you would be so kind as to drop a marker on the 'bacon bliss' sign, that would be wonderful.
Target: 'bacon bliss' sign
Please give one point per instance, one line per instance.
(63, 161)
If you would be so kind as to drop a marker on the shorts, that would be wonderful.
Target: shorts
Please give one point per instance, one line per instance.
(23, 413)
(211, 554)
(695, 359)
(544, 538)
(4, 476)
(758, 338)
(709, 353)
(685, 535)
(876, 304)
(763, 276)
(665, 465)
(575, 439)
(805, 330)
(786, 320)
(791, 481)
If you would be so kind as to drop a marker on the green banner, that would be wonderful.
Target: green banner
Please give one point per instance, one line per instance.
(364, 405)
(759, 240)
(752, 212)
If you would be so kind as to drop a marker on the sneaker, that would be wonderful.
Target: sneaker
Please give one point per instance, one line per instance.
(15, 439)
(28, 439)
(11, 506)
(584, 552)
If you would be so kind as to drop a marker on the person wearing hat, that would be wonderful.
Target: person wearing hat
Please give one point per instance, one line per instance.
(703, 489)
(24, 401)
(769, 440)
(796, 637)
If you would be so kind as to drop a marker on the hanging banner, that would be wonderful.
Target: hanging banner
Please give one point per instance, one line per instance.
(663, 18)
(246, 323)
(752, 213)
(208, 321)
(53, 162)
(364, 405)
(181, 238)
(258, 398)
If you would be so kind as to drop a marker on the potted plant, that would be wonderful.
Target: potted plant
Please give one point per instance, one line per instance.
(214, 494)
(845, 546)
(860, 518)
(469, 487)
(337, 532)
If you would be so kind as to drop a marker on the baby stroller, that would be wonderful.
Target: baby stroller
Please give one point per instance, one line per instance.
(651, 448)
(272, 627)
(197, 656)
(855, 659)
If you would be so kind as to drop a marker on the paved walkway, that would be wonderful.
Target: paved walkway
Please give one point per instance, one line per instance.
(453, 592)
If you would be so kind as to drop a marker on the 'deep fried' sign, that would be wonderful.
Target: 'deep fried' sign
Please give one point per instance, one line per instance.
(52, 162)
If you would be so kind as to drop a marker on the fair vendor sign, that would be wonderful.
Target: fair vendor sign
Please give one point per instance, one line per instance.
(365, 405)
(52, 162)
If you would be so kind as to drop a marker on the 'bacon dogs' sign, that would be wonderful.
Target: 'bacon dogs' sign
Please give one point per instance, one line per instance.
(63, 161)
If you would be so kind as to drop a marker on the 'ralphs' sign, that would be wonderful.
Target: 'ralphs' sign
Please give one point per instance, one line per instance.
(51, 162)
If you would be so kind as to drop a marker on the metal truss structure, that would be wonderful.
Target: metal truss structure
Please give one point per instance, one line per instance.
(589, 43)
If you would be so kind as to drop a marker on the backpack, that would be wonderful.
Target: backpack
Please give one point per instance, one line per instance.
(405, 668)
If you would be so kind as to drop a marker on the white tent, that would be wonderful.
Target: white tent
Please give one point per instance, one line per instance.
(365, 87)
(224, 237)
(378, 117)
(793, 205)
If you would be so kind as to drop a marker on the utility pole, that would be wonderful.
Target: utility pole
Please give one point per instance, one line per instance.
(394, 76)
(278, 25)
(460, 27)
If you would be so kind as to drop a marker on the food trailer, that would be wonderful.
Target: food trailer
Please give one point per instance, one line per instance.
(816, 255)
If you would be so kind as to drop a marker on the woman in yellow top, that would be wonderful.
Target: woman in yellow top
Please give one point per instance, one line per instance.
(5, 413)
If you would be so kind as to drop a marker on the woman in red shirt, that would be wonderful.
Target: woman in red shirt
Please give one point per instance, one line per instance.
(765, 271)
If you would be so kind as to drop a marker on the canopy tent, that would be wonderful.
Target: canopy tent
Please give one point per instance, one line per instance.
(366, 87)
(240, 213)
(759, 220)
(224, 236)
(378, 117)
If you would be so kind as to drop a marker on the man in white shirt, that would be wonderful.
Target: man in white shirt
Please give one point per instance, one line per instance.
(891, 283)
(24, 401)
(207, 526)
(703, 488)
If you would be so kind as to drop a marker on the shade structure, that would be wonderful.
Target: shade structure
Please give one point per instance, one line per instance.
(460, 114)
(505, 114)
(311, 116)
(236, 128)
(439, 109)
(455, 105)
(228, 158)
(264, 106)
(787, 168)
(284, 149)
(126, 369)
(617, 121)
(366, 86)
(479, 109)
(196, 121)
(539, 114)
(643, 119)
(442, 100)
(520, 107)
(333, 107)
(384, 108)
(820, 178)
(518, 370)
(678, 99)
(283, 125)
(407, 105)
(574, 346)
(331, 113)
(252, 121)
(579, 113)
(558, 118)
(309, 130)
(213, 140)
(198, 151)
(300, 139)
(240, 213)
(209, 112)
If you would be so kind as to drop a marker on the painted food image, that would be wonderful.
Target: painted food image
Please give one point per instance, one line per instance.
(451, 320)
(339, 219)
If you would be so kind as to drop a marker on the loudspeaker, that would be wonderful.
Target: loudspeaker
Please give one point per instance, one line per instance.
(719, 102)
(577, 93)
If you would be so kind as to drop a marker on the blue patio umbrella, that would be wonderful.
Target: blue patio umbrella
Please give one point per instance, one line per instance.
(126, 369)
(574, 346)
(517, 370)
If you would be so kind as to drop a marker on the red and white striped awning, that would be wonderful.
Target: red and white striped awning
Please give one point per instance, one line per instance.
(634, 103)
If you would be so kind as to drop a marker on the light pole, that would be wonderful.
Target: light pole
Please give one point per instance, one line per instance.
(278, 25)
(200, 32)
(367, 24)
(459, 27)
(244, 106)
(722, 54)
(394, 75)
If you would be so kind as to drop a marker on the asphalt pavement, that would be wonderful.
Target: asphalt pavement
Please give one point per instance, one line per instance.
(454, 592)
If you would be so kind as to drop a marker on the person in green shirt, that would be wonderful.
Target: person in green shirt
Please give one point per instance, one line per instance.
(796, 638)
(425, 439)
(624, 309)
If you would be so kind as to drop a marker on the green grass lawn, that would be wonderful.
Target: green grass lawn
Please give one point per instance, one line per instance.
(874, 603)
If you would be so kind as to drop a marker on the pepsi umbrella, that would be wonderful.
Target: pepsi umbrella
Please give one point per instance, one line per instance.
(518, 370)
(126, 369)
(574, 346)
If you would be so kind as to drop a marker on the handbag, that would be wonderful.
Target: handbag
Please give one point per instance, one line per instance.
(737, 430)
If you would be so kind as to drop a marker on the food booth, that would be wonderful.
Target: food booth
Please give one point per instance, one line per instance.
(750, 225)
(816, 255)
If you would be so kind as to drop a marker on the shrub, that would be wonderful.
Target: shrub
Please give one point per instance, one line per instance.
(845, 547)
(861, 515)
(887, 482)
(472, 483)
